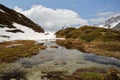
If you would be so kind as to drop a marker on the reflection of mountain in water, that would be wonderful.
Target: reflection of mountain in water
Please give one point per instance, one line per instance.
(102, 60)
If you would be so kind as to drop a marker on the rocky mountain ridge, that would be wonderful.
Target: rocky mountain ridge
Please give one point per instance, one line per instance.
(9, 16)
(113, 23)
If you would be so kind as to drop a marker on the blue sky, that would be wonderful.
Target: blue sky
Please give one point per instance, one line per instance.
(82, 11)
(85, 8)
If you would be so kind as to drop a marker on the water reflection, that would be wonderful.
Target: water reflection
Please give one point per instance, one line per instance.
(65, 57)
(102, 59)
(54, 59)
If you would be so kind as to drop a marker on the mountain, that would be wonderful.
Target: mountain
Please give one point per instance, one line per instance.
(16, 26)
(113, 22)
(117, 27)
(9, 16)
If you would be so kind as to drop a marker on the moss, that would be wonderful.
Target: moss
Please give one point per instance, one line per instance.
(91, 76)
(84, 74)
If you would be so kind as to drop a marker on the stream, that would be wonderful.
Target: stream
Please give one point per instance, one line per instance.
(59, 59)
(69, 59)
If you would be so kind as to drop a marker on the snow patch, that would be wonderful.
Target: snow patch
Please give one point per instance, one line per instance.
(111, 25)
(3, 25)
(101, 25)
(28, 34)
(2, 11)
(19, 15)
(114, 24)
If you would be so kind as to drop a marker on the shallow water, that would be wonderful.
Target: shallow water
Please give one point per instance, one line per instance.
(62, 57)
(58, 59)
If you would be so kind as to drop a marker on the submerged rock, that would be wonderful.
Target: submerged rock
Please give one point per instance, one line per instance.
(60, 63)
(39, 43)
(12, 71)
(53, 46)
(54, 75)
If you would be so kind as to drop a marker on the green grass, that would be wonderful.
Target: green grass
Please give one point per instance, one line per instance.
(100, 41)
(26, 49)
(91, 76)
(90, 33)
(85, 74)
(62, 33)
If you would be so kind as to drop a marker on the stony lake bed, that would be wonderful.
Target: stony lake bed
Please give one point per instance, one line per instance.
(56, 62)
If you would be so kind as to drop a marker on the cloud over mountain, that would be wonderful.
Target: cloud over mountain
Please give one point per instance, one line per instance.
(52, 19)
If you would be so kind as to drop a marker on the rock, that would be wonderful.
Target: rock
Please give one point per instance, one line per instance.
(53, 46)
(54, 75)
(46, 33)
(13, 45)
(60, 63)
(43, 47)
(39, 43)
(12, 79)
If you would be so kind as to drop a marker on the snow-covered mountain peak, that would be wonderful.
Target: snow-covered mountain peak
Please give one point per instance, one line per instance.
(112, 23)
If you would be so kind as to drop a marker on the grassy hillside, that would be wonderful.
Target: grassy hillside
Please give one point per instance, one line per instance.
(100, 41)
(89, 33)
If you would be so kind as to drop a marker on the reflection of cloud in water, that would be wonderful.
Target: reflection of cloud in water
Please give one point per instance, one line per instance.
(102, 59)
(38, 59)
(68, 57)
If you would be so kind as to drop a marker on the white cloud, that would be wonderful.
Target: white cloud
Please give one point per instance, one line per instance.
(52, 19)
(98, 20)
(105, 13)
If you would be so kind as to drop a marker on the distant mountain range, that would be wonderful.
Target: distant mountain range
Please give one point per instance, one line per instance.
(113, 22)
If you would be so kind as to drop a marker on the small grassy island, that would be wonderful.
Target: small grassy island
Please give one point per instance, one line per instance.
(100, 41)
(13, 50)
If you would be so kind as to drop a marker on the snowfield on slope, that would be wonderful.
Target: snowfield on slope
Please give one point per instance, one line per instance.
(28, 34)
